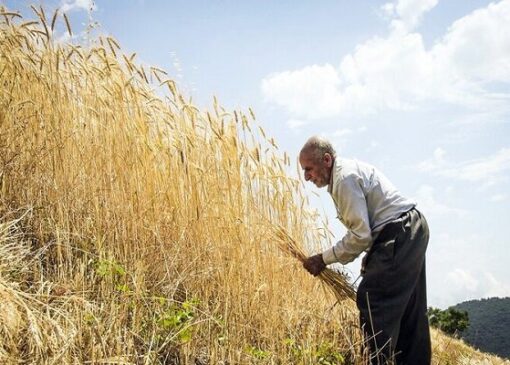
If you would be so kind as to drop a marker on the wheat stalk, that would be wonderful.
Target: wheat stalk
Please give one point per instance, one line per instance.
(335, 281)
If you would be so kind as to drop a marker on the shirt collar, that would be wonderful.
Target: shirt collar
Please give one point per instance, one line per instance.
(331, 176)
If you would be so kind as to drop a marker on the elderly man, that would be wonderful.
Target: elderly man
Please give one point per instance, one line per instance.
(391, 297)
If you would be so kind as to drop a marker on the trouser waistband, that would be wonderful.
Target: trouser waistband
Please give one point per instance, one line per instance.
(392, 228)
(389, 230)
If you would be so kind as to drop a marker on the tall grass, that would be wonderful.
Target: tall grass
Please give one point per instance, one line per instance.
(139, 229)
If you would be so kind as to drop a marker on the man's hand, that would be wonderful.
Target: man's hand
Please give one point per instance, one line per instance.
(364, 264)
(314, 264)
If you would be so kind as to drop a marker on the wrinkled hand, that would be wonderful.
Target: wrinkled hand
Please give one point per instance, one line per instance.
(314, 264)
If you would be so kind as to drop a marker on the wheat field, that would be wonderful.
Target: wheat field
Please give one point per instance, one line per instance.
(137, 229)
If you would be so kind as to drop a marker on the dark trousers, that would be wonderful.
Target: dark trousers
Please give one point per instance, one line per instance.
(392, 296)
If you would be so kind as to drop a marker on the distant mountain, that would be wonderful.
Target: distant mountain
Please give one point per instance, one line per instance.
(489, 325)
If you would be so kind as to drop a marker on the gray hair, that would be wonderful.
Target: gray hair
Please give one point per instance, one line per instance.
(317, 146)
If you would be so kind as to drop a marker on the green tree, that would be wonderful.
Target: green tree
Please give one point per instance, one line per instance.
(450, 320)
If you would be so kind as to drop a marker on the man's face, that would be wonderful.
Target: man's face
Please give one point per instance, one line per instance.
(317, 170)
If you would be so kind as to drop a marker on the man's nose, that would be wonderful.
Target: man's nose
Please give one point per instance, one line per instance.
(307, 176)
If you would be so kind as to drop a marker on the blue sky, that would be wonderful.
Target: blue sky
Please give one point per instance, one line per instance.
(419, 88)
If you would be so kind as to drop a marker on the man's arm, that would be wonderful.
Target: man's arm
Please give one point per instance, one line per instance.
(358, 238)
(354, 212)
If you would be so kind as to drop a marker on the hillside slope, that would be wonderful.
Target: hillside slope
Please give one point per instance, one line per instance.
(489, 325)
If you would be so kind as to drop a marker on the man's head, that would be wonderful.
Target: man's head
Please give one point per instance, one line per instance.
(316, 159)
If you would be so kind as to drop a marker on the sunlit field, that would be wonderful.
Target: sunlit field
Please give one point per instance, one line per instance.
(137, 229)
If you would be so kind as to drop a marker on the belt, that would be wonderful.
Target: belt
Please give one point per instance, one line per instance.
(392, 228)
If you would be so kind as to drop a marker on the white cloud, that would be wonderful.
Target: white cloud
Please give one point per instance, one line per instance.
(342, 132)
(343, 137)
(462, 279)
(434, 163)
(476, 46)
(494, 287)
(75, 5)
(311, 92)
(433, 207)
(407, 14)
(79, 35)
(488, 170)
(499, 197)
(458, 270)
(465, 284)
(296, 123)
(439, 153)
(398, 73)
(372, 146)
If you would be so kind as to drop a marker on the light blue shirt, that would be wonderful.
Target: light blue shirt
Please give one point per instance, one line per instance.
(365, 201)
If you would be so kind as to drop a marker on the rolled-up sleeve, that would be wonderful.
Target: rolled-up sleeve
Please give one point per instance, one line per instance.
(354, 215)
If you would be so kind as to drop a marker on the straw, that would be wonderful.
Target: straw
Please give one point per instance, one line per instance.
(335, 281)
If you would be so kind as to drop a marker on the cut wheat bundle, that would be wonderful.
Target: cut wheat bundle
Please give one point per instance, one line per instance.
(335, 281)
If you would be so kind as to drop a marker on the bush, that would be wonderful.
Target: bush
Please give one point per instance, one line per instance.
(450, 320)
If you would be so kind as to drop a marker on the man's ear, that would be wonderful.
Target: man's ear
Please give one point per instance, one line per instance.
(328, 159)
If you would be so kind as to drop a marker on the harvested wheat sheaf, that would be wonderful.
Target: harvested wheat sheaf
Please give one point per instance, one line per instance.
(336, 282)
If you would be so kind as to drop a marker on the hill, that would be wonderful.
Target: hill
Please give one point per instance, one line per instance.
(489, 325)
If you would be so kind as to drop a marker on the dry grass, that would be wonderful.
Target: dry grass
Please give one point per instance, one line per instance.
(448, 350)
(137, 229)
